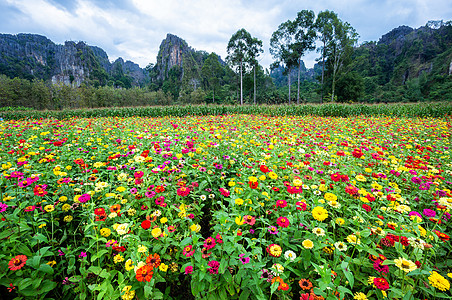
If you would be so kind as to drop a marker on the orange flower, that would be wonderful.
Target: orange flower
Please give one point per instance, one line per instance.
(153, 260)
(144, 273)
(115, 208)
(305, 284)
(16, 263)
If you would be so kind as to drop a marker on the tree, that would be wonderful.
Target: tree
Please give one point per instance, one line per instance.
(255, 49)
(324, 27)
(211, 72)
(340, 47)
(282, 50)
(305, 34)
(240, 50)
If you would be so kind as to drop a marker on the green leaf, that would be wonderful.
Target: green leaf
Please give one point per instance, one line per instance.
(348, 274)
(185, 241)
(245, 294)
(147, 291)
(22, 248)
(47, 286)
(46, 269)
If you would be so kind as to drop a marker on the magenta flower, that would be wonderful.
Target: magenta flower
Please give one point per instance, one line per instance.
(244, 260)
(283, 222)
(188, 270)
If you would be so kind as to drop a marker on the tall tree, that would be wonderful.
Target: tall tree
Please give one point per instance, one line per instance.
(305, 34)
(238, 51)
(282, 50)
(340, 47)
(255, 49)
(324, 27)
(211, 72)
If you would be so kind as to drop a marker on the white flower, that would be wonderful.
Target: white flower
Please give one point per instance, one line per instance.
(341, 246)
(290, 255)
(318, 231)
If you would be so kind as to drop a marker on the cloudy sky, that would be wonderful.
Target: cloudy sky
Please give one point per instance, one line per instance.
(134, 29)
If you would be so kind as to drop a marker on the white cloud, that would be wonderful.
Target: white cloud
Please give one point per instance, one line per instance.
(134, 29)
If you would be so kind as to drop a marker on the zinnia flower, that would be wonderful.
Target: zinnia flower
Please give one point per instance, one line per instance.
(17, 262)
(381, 284)
(283, 222)
(144, 273)
(319, 213)
(405, 264)
(438, 281)
(305, 284)
(307, 244)
(188, 251)
(274, 250)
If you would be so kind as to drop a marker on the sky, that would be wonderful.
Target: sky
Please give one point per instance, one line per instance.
(134, 29)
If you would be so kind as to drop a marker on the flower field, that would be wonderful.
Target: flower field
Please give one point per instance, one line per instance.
(228, 206)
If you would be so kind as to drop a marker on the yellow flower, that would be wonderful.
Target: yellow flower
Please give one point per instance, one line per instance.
(352, 239)
(105, 232)
(163, 220)
(340, 221)
(67, 218)
(319, 213)
(65, 207)
(361, 178)
(49, 208)
(330, 197)
(438, 281)
(129, 265)
(120, 189)
(239, 220)
(156, 232)
(273, 175)
(239, 201)
(405, 264)
(195, 227)
(128, 294)
(360, 296)
(307, 244)
(142, 249)
(118, 258)
(163, 267)
(63, 199)
(323, 187)
(51, 263)
(42, 225)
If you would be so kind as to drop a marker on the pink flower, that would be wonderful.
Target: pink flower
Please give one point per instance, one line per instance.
(224, 192)
(188, 251)
(283, 222)
(84, 198)
(209, 243)
(188, 270)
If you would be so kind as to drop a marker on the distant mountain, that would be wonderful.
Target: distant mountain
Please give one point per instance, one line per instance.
(33, 56)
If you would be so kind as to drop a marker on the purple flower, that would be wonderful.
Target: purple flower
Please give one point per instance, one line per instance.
(82, 254)
(429, 213)
(3, 207)
(61, 253)
(243, 259)
(266, 275)
(415, 213)
(416, 180)
(133, 191)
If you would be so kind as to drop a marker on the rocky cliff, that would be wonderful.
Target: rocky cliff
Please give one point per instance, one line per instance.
(34, 56)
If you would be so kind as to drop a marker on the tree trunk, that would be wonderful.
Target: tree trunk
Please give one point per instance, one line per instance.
(241, 84)
(254, 85)
(323, 68)
(298, 84)
(289, 86)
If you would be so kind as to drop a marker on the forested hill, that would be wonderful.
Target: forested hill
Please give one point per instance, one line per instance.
(406, 64)
(33, 56)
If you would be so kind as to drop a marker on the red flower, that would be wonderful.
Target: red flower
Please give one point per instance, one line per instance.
(58, 144)
(144, 273)
(367, 207)
(253, 184)
(381, 284)
(264, 168)
(17, 262)
(305, 284)
(146, 224)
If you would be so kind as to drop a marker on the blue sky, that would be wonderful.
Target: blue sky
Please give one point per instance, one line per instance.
(134, 29)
